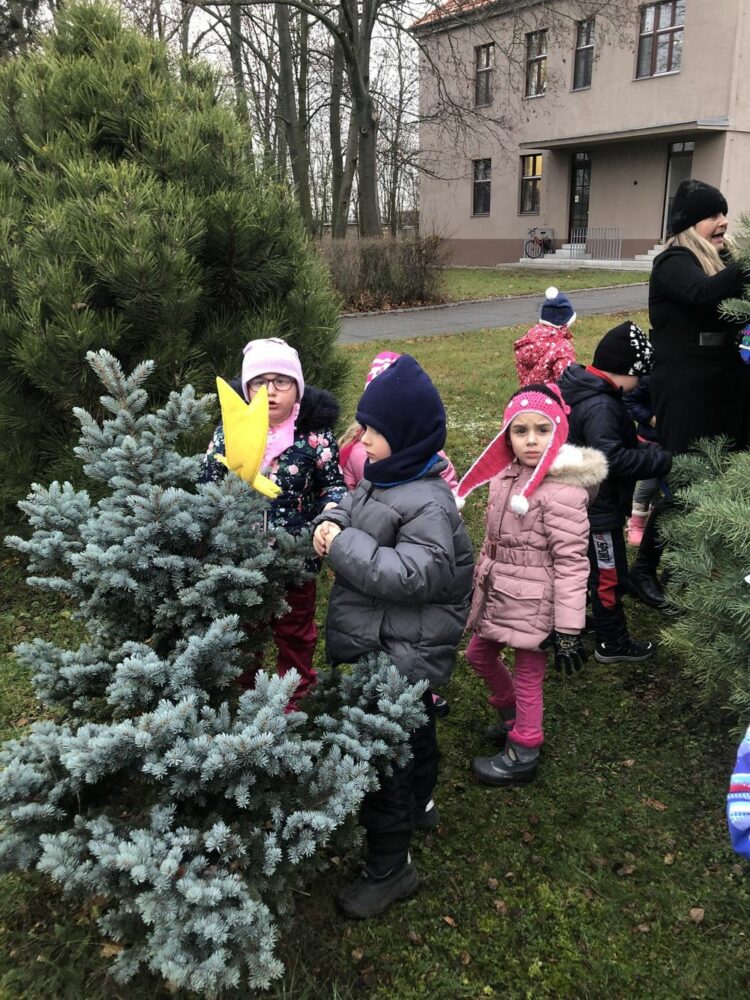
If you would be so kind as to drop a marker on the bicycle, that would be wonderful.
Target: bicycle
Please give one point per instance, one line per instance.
(537, 244)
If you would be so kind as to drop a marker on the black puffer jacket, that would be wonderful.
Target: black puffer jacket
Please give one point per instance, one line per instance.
(599, 419)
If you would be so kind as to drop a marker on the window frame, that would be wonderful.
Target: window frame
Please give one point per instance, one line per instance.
(536, 64)
(481, 183)
(533, 182)
(672, 32)
(584, 51)
(483, 73)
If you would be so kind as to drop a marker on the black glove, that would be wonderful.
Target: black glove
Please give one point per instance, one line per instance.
(570, 654)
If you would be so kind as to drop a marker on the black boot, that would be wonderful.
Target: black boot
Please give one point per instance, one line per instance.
(642, 580)
(371, 894)
(516, 765)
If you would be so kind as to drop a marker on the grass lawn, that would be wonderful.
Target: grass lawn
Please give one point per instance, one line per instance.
(463, 283)
(609, 877)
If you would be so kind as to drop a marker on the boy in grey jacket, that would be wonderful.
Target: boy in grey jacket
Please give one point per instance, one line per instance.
(403, 564)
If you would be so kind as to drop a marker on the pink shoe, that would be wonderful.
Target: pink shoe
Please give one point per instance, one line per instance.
(636, 524)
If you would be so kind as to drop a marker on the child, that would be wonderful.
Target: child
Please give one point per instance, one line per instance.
(600, 419)
(738, 798)
(546, 350)
(530, 580)
(353, 455)
(302, 457)
(403, 563)
(641, 410)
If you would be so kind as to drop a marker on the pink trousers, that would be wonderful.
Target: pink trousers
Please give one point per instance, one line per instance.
(522, 689)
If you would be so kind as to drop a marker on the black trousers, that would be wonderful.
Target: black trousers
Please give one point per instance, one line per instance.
(388, 814)
(608, 577)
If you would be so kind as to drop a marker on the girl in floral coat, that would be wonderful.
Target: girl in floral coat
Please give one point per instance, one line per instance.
(302, 457)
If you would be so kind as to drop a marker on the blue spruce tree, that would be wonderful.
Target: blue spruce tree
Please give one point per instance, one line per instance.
(189, 811)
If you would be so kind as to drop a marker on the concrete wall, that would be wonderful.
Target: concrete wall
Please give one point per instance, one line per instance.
(628, 175)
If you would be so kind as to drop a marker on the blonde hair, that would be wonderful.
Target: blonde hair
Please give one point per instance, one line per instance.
(707, 254)
(352, 433)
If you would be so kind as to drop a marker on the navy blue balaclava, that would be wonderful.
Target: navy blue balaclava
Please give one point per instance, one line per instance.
(404, 406)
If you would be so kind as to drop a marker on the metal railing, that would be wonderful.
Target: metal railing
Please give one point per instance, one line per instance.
(598, 242)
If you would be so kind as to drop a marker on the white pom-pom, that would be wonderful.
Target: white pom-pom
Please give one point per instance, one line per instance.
(551, 292)
(519, 504)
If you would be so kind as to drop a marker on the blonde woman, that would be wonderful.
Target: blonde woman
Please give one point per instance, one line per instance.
(699, 385)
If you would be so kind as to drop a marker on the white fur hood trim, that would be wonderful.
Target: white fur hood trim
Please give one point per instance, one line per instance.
(577, 466)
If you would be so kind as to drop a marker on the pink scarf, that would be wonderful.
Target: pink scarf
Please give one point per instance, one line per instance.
(280, 438)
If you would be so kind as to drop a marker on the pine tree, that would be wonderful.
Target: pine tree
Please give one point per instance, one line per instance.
(708, 558)
(132, 219)
(190, 812)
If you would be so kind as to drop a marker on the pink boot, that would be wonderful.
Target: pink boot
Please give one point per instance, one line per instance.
(636, 524)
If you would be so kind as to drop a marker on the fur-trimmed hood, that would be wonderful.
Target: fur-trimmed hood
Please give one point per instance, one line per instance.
(319, 409)
(579, 466)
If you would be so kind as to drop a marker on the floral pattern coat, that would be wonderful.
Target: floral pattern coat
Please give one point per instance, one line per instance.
(308, 472)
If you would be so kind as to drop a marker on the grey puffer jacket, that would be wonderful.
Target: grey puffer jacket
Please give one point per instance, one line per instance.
(404, 566)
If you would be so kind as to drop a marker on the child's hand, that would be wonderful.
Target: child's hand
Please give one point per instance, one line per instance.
(323, 536)
(570, 653)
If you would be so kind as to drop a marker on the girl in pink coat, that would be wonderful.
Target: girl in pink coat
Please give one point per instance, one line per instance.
(530, 578)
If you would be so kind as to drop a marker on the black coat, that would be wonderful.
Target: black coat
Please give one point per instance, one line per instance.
(698, 390)
(599, 419)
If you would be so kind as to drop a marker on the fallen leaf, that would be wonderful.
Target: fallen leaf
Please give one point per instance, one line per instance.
(492, 884)
(501, 907)
(737, 870)
(357, 954)
(22, 722)
(697, 913)
(629, 762)
(509, 876)
(110, 948)
(336, 861)
(528, 837)
(669, 859)
(586, 711)
(414, 938)
(654, 804)
(588, 893)
(623, 870)
(449, 921)
(464, 958)
(533, 820)
(640, 929)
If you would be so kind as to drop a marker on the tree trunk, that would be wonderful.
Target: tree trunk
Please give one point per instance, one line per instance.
(367, 169)
(342, 203)
(295, 135)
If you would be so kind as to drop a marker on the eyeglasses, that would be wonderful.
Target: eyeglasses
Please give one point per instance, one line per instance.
(281, 382)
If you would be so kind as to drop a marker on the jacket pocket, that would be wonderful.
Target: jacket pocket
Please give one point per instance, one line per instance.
(518, 605)
(518, 590)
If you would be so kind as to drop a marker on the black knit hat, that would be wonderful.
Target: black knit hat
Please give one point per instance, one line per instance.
(404, 406)
(624, 350)
(693, 201)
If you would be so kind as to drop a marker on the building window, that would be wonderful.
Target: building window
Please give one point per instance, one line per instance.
(531, 182)
(484, 59)
(480, 202)
(536, 63)
(660, 39)
(584, 58)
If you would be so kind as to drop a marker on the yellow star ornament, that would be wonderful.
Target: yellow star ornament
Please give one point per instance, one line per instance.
(245, 433)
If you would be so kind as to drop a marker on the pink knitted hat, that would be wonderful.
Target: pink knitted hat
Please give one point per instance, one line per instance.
(498, 455)
(272, 355)
(379, 364)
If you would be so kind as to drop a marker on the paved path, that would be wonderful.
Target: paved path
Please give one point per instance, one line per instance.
(482, 315)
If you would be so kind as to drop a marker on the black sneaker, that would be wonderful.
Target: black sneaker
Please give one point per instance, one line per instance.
(370, 895)
(631, 651)
(440, 705)
(427, 818)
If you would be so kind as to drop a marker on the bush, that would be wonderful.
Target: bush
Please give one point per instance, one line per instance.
(386, 273)
(708, 558)
(132, 219)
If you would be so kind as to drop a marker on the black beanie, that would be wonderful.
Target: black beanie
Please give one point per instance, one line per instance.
(693, 201)
(624, 350)
(404, 406)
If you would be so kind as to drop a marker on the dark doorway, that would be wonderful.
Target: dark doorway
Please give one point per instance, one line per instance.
(580, 187)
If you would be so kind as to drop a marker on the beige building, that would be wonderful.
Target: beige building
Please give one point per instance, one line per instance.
(579, 126)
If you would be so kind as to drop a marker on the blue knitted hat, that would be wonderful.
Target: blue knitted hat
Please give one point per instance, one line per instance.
(557, 309)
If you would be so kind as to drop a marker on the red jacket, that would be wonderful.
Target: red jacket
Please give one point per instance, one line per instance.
(543, 353)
